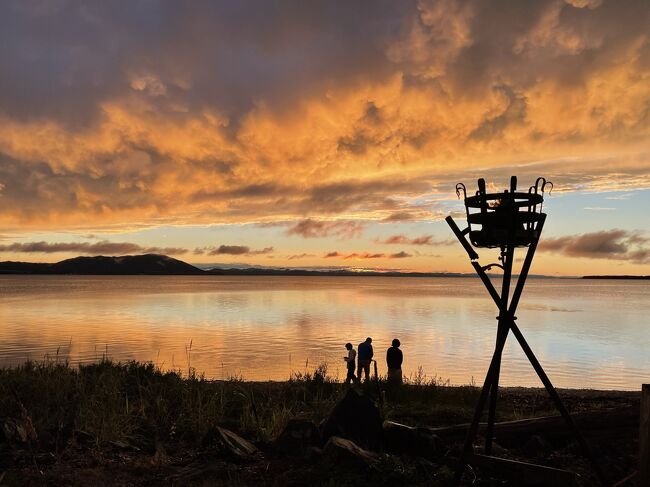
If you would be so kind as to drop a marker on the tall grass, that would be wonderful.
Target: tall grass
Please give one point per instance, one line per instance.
(123, 402)
(138, 403)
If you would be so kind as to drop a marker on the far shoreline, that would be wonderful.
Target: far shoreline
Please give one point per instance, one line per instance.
(155, 264)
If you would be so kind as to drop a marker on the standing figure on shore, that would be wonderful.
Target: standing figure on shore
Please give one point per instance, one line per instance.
(394, 360)
(365, 357)
(351, 361)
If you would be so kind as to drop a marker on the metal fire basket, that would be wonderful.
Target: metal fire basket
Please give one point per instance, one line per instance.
(505, 220)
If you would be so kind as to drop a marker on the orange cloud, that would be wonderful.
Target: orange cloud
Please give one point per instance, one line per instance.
(232, 250)
(97, 248)
(372, 119)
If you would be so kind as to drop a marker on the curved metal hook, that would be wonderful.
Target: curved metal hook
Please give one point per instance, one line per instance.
(459, 187)
(543, 186)
(490, 266)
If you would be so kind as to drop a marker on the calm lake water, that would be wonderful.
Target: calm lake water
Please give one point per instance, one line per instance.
(585, 333)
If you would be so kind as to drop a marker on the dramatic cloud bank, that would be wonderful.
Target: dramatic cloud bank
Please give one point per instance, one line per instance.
(232, 250)
(317, 229)
(127, 113)
(611, 244)
(423, 240)
(96, 248)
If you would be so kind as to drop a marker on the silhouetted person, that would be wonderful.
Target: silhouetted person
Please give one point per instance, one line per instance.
(394, 359)
(365, 357)
(351, 361)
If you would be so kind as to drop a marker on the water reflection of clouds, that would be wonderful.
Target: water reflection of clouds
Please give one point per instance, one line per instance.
(264, 328)
(547, 308)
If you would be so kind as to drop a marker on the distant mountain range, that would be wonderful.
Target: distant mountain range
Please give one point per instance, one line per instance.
(153, 264)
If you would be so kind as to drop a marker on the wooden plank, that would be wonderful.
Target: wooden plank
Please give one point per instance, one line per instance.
(644, 437)
(615, 422)
(525, 474)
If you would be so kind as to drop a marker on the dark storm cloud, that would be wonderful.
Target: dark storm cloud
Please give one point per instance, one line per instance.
(402, 239)
(554, 40)
(39, 191)
(318, 229)
(606, 244)
(399, 255)
(399, 216)
(249, 191)
(235, 250)
(422, 240)
(320, 198)
(62, 59)
(96, 248)
(301, 256)
(340, 196)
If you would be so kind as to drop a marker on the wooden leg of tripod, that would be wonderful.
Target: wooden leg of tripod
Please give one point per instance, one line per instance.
(556, 399)
(490, 377)
(502, 335)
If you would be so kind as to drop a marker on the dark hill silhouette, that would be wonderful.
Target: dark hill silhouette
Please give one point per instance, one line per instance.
(154, 264)
(11, 267)
(147, 264)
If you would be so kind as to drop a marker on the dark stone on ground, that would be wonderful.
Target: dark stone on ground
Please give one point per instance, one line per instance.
(19, 430)
(228, 444)
(297, 437)
(420, 442)
(355, 418)
(342, 453)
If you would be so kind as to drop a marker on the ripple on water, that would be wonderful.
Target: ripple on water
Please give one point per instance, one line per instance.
(585, 334)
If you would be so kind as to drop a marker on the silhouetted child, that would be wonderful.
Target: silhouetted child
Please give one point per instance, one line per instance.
(394, 360)
(350, 359)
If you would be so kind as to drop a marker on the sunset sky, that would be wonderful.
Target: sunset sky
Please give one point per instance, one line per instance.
(321, 133)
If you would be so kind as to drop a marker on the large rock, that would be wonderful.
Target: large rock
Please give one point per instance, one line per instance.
(19, 430)
(226, 443)
(420, 442)
(344, 453)
(298, 437)
(355, 418)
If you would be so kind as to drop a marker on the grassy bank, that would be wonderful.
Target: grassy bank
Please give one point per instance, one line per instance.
(118, 402)
(107, 407)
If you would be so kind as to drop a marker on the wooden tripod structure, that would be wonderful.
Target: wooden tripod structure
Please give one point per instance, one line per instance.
(505, 225)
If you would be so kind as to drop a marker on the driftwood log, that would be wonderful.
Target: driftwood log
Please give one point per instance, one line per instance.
(525, 474)
(600, 425)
